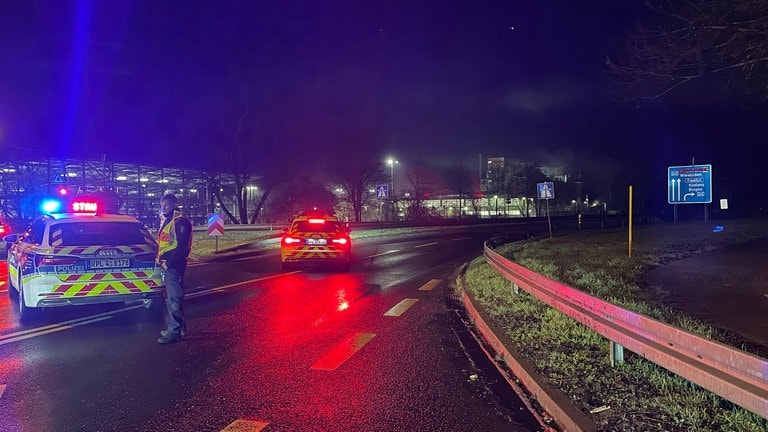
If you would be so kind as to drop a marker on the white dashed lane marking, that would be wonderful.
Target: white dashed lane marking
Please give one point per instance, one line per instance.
(343, 351)
(401, 307)
(429, 286)
(425, 245)
(241, 425)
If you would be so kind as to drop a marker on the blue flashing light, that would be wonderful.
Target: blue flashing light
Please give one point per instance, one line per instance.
(50, 206)
(718, 228)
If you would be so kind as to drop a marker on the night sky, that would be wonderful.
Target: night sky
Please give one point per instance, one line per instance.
(144, 81)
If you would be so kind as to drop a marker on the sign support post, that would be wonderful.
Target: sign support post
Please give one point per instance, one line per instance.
(546, 191)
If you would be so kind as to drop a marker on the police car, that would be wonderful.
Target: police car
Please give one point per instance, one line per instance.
(314, 238)
(82, 257)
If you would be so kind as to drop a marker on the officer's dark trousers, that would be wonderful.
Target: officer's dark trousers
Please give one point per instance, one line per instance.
(174, 300)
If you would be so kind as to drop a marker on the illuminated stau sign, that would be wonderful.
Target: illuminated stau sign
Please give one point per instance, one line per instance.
(85, 207)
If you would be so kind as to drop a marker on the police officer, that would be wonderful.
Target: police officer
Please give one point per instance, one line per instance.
(175, 242)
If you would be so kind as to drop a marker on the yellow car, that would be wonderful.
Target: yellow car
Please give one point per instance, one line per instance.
(316, 239)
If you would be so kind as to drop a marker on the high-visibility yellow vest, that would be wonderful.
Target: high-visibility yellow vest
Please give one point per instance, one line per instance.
(166, 238)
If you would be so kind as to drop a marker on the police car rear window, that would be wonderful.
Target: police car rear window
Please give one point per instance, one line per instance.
(328, 226)
(99, 234)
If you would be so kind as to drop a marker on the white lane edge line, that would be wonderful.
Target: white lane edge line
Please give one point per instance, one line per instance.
(401, 307)
(53, 330)
(425, 245)
(251, 258)
(244, 425)
(462, 238)
(225, 287)
(383, 253)
(75, 322)
(429, 286)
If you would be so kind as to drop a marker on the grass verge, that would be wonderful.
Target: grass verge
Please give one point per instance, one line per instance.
(576, 360)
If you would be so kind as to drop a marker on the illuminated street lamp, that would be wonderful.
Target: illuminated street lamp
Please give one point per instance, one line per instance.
(392, 162)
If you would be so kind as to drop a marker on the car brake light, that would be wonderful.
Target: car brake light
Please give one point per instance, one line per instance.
(291, 240)
(47, 260)
(317, 221)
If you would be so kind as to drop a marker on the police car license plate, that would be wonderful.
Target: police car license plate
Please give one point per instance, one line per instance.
(315, 242)
(110, 263)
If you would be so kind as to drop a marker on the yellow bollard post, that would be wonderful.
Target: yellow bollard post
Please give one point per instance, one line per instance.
(630, 220)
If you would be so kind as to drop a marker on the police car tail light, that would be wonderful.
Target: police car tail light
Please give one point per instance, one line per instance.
(47, 260)
(291, 240)
(340, 241)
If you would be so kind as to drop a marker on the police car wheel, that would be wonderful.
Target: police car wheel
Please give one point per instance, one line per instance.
(12, 293)
(26, 313)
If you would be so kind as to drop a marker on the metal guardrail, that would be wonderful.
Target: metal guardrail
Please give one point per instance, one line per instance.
(735, 375)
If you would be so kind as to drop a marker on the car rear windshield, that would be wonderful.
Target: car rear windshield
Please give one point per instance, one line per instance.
(328, 226)
(99, 234)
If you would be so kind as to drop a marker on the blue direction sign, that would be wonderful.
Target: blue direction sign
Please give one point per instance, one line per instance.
(546, 190)
(57, 179)
(382, 191)
(689, 184)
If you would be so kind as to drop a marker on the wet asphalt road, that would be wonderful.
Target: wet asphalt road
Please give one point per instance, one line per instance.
(310, 350)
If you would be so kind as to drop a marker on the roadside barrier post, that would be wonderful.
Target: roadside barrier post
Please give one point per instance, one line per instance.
(617, 354)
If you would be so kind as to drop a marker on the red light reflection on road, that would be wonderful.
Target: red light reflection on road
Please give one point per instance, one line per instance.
(306, 307)
(343, 303)
(304, 299)
(9, 366)
(343, 351)
(8, 319)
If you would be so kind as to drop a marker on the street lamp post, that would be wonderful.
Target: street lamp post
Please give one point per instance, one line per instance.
(392, 162)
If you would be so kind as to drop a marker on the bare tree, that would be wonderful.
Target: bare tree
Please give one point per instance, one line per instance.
(460, 181)
(305, 192)
(422, 183)
(696, 40)
(358, 180)
(254, 156)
